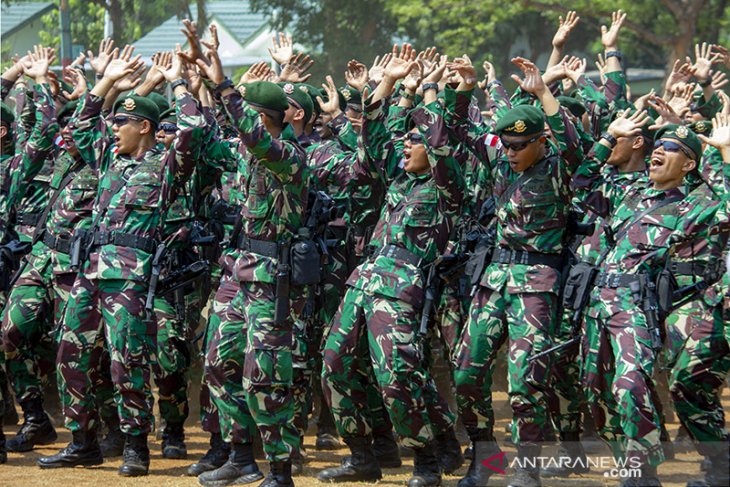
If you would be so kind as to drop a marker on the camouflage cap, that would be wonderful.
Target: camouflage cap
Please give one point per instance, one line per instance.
(574, 105)
(160, 101)
(139, 106)
(521, 120)
(7, 114)
(313, 94)
(298, 95)
(168, 116)
(681, 133)
(265, 94)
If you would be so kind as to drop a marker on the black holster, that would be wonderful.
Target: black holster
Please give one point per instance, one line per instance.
(283, 278)
(157, 262)
(80, 248)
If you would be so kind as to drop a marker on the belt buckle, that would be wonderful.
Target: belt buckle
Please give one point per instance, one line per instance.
(390, 252)
(504, 256)
(614, 280)
(524, 257)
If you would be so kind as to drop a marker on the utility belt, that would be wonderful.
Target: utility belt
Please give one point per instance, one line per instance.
(615, 280)
(27, 219)
(502, 255)
(261, 247)
(123, 239)
(59, 244)
(687, 268)
(399, 253)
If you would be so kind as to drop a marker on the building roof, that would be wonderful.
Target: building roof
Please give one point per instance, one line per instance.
(234, 15)
(15, 15)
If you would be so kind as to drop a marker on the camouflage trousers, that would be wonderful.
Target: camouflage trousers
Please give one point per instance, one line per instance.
(618, 366)
(565, 399)
(699, 361)
(378, 333)
(450, 315)
(35, 305)
(528, 320)
(112, 311)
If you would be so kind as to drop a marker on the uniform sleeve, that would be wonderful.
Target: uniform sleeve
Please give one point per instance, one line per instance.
(344, 131)
(566, 136)
(91, 134)
(588, 182)
(192, 132)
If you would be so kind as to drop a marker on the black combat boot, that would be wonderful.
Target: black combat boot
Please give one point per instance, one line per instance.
(572, 449)
(386, 450)
(527, 471)
(448, 452)
(136, 456)
(3, 452)
(360, 466)
(36, 430)
(215, 457)
(83, 450)
(112, 445)
(426, 469)
(484, 448)
(279, 475)
(173, 442)
(717, 473)
(241, 468)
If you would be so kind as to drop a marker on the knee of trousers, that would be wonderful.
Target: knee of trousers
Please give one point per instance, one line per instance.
(632, 387)
(266, 368)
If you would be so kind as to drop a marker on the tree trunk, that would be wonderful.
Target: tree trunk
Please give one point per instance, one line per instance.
(115, 12)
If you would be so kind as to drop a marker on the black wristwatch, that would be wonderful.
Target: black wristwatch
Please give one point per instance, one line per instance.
(179, 82)
(609, 138)
(706, 83)
(430, 86)
(226, 83)
(617, 54)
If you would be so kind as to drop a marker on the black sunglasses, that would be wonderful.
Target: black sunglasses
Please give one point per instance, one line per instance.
(518, 146)
(670, 146)
(414, 138)
(168, 128)
(122, 120)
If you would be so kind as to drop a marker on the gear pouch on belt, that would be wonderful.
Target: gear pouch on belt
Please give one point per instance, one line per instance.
(306, 263)
(666, 285)
(578, 285)
(478, 260)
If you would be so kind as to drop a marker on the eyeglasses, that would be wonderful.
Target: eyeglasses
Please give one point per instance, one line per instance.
(670, 146)
(518, 146)
(168, 128)
(414, 138)
(122, 120)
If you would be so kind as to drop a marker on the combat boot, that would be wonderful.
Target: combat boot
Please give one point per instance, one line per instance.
(215, 457)
(648, 478)
(327, 441)
(527, 473)
(426, 469)
(3, 452)
(572, 449)
(136, 456)
(717, 473)
(386, 450)
(279, 475)
(241, 468)
(478, 473)
(448, 451)
(173, 442)
(36, 430)
(112, 445)
(83, 450)
(360, 466)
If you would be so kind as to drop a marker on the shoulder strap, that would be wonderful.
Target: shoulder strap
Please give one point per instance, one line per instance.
(43, 220)
(625, 228)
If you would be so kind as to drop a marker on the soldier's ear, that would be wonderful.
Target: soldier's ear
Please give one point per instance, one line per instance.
(147, 128)
(3, 131)
(689, 165)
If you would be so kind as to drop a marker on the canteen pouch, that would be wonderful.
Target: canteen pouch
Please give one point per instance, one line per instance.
(306, 263)
(666, 285)
(578, 285)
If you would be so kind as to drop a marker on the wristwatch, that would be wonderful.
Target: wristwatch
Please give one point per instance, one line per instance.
(430, 86)
(609, 138)
(617, 54)
(178, 82)
(226, 83)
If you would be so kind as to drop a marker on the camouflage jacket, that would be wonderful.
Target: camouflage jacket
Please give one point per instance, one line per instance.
(532, 216)
(21, 168)
(134, 194)
(275, 188)
(418, 216)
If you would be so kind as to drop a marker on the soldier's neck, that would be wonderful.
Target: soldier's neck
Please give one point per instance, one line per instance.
(143, 147)
(635, 163)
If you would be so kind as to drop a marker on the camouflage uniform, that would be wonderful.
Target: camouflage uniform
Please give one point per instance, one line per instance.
(111, 288)
(379, 315)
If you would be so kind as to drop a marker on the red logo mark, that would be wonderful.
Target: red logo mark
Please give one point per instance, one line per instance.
(500, 461)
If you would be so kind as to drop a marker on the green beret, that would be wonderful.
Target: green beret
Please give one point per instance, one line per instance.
(67, 110)
(313, 94)
(7, 115)
(298, 95)
(351, 95)
(683, 134)
(265, 94)
(168, 116)
(574, 105)
(139, 106)
(703, 127)
(160, 101)
(521, 120)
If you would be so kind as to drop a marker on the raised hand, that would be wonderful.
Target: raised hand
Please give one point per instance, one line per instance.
(73, 77)
(438, 71)
(104, 57)
(666, 112)
(720, 138)
(356, 75)
(682, 99)
(627, 126)
(214, 42)
(679, 77)
(466, 70)
(724, 55)
(402, 62)
(609, 36)
(213, 70)
(122, 64)
(555, 72)
(377, 70)
(296, 69)
(641, 102)
(191, 33)
(38, 63)
(79, 61)
(564, 29)
(413, 80)
(332, 105)
(532, 82)
(173, 71)
(704, 59)
(283, 50)
(575, 67)
(257, 72)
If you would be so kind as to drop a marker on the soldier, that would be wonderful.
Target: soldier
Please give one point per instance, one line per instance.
(21, 169)
(384, 293)
(137, 181)
(517, 295)
(272, 212)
